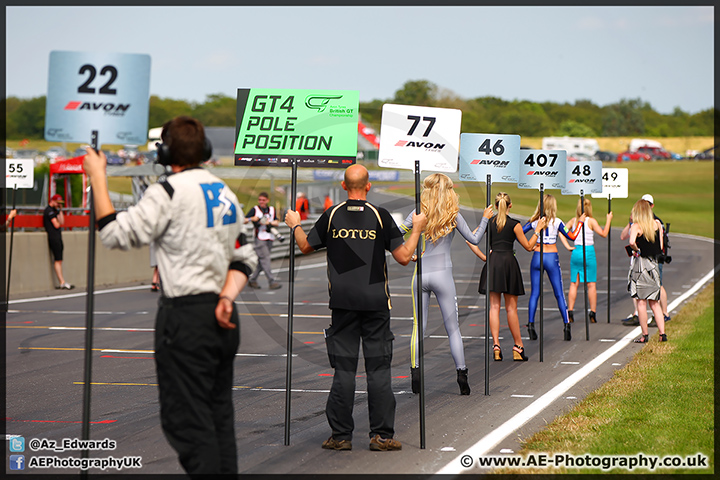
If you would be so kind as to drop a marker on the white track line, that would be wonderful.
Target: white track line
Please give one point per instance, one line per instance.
(492, 439)
(79, 294)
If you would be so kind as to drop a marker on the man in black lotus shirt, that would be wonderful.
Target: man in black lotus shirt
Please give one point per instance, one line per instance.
(356, 235)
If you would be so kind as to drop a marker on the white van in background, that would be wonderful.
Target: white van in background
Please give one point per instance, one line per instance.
(637, 143)
(153, 137)
(588, 146)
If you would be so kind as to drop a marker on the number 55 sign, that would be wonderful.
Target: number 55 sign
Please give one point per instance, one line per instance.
(19, 173)
(107, 92)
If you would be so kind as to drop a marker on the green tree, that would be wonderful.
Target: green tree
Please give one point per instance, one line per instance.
(218, 111)
(525, 119)
(10, 105)
(28, 119)
(703, 123)
(625, 118)
(571, 128)
(371, 113)
(164, 109)
(416, 92)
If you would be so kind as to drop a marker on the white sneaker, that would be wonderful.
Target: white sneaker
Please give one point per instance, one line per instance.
(66, 286)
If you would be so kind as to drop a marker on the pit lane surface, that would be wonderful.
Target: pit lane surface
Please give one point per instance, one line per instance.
(44, 371)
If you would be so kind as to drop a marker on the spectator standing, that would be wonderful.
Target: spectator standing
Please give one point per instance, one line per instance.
(53, 220)
(264, 218)
(646, 243)
(194, 220)
(356, 234)
(633, 320)
(302, 205)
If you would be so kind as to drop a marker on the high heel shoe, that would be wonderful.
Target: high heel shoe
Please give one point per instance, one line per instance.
(497, 352)
(593, 319)
(567, 334)
(642, 339)
(519, 354)
(415, 379)
(462, 379)
(531, 331)
(571, 317)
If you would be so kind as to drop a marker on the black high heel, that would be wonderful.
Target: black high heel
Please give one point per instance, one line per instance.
(519, 354)
(497, 352)
(593, 319)
(462, 379)
(571, 317)
(531, 331)
(642, 339)
(567, 334)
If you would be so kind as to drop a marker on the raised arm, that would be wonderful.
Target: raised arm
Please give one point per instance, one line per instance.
(572, 235)
(407, 224)
(606, 230)
(404, 252)
(522, 240)
(476, 235)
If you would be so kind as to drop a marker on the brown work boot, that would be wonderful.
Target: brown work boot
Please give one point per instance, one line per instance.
(379, 444)
(332, 444)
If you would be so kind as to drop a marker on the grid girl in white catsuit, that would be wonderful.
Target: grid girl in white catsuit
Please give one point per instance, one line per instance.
(439, 202)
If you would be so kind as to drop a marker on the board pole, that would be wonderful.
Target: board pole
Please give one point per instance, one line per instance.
(608, 267)
(542, 232)
(488, 201)
(89, 307)
(585, 293)
(419, 313)
(12, 234)
(291, 305)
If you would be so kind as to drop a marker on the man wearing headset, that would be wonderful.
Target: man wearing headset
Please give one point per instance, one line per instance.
(204, 261)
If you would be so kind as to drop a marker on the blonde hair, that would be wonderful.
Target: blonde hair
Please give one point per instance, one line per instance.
(549, 207)
(642, 215)
(439, 202)
(502, 202)
(588, 210)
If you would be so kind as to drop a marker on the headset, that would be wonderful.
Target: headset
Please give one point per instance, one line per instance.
(164, 157)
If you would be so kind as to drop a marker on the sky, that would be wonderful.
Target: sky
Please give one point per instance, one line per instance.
(663, 55)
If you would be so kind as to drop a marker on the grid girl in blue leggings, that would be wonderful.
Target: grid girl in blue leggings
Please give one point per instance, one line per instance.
(551, 262)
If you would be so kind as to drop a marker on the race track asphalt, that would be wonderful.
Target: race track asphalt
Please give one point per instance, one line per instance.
(45, 339)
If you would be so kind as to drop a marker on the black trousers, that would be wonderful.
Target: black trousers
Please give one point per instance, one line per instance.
(347, 330)
(194, 359)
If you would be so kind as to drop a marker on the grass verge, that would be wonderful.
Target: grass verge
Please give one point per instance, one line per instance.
(683, 192)
(661, 403)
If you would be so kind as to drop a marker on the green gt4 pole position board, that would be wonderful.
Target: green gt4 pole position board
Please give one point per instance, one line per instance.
(319, 128)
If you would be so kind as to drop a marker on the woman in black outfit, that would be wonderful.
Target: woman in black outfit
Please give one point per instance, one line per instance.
(644, 276)
(506, 277)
